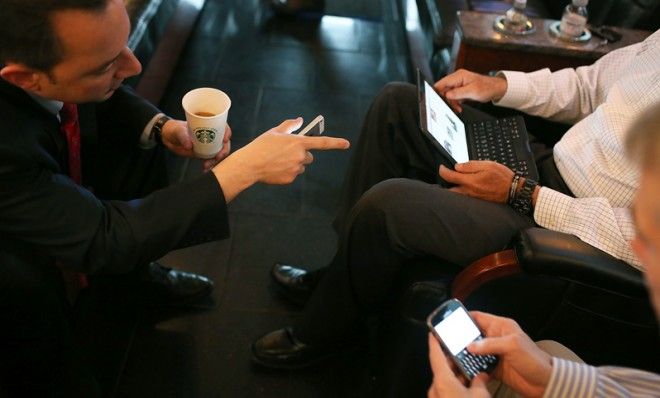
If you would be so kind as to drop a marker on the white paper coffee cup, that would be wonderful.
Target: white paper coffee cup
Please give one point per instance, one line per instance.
(206, 113)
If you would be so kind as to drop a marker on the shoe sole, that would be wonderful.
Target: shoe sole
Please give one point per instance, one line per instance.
(284, 293)
(312, 362)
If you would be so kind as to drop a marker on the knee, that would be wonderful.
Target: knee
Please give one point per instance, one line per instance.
(386, 198)
(395, 93)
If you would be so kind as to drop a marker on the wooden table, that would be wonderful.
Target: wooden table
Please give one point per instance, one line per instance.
(479, 48)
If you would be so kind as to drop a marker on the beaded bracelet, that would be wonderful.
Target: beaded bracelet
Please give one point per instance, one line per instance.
(514, 186)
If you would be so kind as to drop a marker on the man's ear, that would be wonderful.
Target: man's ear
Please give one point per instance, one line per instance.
(22, 76)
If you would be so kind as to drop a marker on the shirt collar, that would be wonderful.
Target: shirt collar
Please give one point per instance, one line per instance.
(52, 106)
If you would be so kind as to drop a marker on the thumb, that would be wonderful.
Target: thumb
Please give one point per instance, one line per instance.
(183, 137)
(490, 346)
(463, 92)
(290, 125)
(479, 382)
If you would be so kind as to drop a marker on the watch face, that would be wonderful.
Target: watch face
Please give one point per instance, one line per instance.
(523, 201)
(522, 206)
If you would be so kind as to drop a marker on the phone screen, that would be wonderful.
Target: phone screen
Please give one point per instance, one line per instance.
(314, 128)
(457, 330)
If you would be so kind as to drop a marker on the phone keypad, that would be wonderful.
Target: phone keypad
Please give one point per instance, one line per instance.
(475, 364)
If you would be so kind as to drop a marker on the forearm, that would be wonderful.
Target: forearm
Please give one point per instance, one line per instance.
(567, 95)
(593, 220)
(558, 96)
(51, 214)
(234, 177)
(576, 380)
(125, 114)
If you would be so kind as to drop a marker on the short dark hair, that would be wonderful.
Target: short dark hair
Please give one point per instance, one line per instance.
(26, 30)
(643, 141)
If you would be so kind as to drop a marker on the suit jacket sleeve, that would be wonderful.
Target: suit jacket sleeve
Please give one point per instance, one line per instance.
(46, 213)
(124, 114)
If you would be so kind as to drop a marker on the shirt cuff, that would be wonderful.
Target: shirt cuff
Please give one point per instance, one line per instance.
(147, 141)
(516, 92)
(551, 208)
(571, 379)
(520, 91)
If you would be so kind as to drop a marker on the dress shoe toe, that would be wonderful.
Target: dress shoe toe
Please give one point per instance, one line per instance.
(294, 283)
(173, 286)
(281, 349)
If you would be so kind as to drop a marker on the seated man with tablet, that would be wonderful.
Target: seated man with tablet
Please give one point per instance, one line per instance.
(502, 140)
(404, 199)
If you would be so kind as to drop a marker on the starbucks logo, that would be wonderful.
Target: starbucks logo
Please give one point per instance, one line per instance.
(205, 136)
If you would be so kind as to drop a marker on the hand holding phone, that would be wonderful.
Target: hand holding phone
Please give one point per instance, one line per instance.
(314, 128)
(454, 329)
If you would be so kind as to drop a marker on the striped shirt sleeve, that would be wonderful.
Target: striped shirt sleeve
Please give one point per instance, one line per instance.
(576, 380)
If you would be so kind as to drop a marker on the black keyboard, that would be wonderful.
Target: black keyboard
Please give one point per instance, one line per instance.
(475, 364)
(493, 140)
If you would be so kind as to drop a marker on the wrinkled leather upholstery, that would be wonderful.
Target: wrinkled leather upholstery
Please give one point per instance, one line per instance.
(544, 252)
(148, 21)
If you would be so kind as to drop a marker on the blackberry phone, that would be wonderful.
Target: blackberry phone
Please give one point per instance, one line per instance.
(315, 127)
(454, 329)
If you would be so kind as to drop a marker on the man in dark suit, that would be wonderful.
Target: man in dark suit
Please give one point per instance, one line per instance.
(80, 197)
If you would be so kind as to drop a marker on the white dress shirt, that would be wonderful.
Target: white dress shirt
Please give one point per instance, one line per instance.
(601, 101)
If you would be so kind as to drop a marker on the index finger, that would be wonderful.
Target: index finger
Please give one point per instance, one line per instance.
(324, 143)
(491, 324)
(450, 81)
(289, 126)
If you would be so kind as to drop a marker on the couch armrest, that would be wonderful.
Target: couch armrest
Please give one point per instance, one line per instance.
(545, 252)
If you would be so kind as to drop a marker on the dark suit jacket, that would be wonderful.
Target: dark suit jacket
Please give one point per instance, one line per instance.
(45, 216)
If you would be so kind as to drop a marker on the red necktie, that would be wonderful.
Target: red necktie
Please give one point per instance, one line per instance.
(70, 128)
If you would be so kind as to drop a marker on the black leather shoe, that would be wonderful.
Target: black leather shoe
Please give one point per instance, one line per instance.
(295, 284)
(293, 7)
(170, 286)
(282, 350)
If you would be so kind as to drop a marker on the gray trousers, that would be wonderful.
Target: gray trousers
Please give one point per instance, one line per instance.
(396, 209)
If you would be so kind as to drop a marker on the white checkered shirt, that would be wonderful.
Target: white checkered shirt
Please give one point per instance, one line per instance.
(601, 101)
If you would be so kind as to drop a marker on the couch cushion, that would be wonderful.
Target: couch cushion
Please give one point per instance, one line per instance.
(140, 12)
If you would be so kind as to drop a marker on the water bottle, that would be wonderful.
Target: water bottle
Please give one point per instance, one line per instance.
(574, 20)
(515, 18)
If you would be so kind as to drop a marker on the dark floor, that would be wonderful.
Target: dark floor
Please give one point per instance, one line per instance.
(273, 70)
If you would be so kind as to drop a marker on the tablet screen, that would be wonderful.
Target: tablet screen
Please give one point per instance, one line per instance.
(443, 124)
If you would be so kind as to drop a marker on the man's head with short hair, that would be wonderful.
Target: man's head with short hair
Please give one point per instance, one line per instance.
(27, 35)
(643, 144)
(68, 50)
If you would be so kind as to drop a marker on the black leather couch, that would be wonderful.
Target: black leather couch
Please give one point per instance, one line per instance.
(435, 21)
(159, 31)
